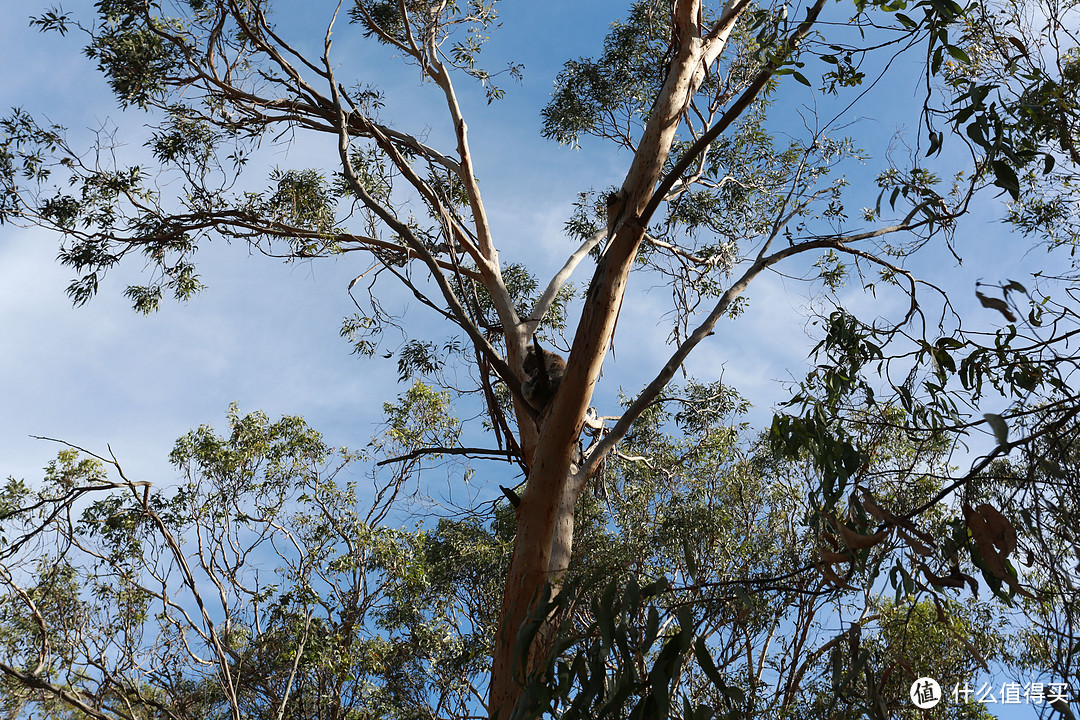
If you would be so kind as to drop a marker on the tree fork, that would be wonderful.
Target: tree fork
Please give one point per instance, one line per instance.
(546, 514)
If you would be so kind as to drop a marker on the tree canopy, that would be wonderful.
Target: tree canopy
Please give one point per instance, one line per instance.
(909, 511)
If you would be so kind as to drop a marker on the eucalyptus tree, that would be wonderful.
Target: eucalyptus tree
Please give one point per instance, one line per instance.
(710, 201)
(259, 587)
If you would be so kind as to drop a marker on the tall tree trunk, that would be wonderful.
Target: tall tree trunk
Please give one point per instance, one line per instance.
(545, 517)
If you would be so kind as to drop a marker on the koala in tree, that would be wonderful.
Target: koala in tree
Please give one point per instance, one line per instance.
(544, 371)
(614, 204)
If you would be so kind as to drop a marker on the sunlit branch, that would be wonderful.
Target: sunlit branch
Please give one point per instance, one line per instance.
(457, 311)
(544, 302)
(733, 113)
(705, 328)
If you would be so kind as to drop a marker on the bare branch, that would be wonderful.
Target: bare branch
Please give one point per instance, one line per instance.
(469, 452)
(705, 328)
(543, 303)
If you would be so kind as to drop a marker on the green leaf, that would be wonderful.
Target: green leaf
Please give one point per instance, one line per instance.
(1005, 178)
(691, 560)
(935, 144)
(907, 22)
(935, 62)
(704, 658)
(958, 54)
(999, 426)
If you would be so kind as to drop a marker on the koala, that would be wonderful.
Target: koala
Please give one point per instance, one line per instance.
(614, 204)
(544, 371)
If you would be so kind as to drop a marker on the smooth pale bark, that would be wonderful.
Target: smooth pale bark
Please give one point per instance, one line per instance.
(546, 513)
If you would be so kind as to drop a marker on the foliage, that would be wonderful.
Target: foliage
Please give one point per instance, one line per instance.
(256, 568)
(259, 567)
(660, 561)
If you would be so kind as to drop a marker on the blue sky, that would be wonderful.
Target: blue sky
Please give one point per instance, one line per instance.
(265, 334)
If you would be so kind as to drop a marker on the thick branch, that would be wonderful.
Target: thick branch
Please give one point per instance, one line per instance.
(546, 510)
(653, 390)
(733, 113)
(406, 233)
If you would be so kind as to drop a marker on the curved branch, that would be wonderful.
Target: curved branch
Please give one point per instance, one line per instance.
(460, 317)
(703, 330)
(733, 113)
(543, 304)
(489, 264)
(468, 452)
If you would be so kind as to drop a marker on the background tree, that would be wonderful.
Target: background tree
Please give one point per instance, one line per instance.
(710, 201)
(257, 589)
